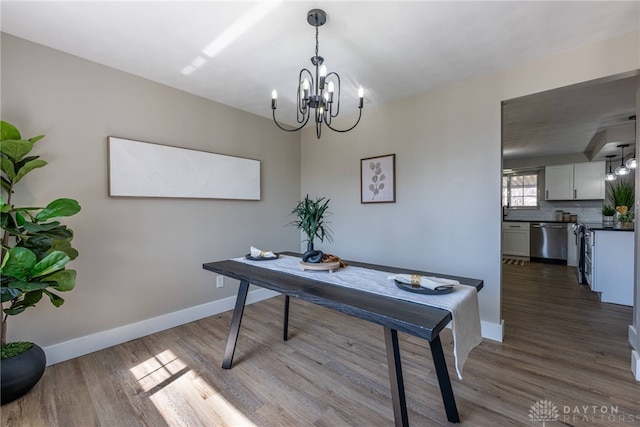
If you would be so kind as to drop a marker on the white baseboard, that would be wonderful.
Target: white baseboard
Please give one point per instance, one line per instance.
(635, 364)
(88, 344)
(77, 347)
(634, 340)
(493, 331)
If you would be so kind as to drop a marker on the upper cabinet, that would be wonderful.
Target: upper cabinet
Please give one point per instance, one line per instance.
(579, 181)
(588, 180)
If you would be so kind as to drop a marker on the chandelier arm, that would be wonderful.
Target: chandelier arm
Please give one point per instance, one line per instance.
(337, 93)
(347, 130)
(289, 130)
(318, 129)
(301, 110)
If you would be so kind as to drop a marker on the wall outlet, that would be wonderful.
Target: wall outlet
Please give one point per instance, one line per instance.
(219, 281)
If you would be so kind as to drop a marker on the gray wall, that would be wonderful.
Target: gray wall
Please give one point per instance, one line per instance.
(447, 142)
(139, 258)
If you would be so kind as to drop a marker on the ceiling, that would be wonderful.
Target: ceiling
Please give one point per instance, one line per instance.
(236, 52)
(591, 118)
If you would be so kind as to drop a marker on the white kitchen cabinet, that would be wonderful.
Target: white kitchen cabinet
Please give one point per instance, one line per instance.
(515, 238)
(613, 262)
(579, 181)
(588, 180)
(558, 182)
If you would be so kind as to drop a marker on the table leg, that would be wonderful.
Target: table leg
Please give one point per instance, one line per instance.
(443, 379)
(395, 378)
(235, 324)
(285, 329)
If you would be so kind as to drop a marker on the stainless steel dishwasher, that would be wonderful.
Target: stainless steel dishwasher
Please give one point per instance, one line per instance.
(548, 242)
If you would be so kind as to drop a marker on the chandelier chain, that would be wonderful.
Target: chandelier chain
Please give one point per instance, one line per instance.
(316, 40)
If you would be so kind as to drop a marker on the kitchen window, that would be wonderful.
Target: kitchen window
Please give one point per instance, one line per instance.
(520, 190)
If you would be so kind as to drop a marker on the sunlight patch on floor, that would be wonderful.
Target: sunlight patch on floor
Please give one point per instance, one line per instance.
(182, 396)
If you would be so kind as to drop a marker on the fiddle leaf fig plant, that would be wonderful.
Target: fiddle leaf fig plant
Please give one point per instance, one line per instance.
(35, 247)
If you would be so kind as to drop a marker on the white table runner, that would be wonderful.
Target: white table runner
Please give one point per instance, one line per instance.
(462, 302)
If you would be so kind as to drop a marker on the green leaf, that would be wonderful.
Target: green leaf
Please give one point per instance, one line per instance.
(20, 219)
(15, 149)
(8, 167)
(57, 208)
(26, 286)
(53, 262)
(8, 131)
(14, 311)
(9, 294)
(6, 184)
(64, 246)
(55, 299)
(39, 244)
(32, 298)
(66, 279)
(36, 139)
(19, 264)
(59, 233)
(37, 228)
(4, 262)
(28, 167)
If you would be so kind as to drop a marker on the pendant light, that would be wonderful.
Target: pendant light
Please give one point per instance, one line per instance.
(622, 169)
(610, 176)
(632, 163)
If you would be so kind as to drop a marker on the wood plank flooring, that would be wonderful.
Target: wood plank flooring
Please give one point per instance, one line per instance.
(561, 345)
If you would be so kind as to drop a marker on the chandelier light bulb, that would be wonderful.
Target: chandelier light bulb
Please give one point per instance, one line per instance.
(274, 99)
(331, 87)
(323, 71)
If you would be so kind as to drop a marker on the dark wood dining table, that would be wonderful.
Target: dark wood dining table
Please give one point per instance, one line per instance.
(393, 314)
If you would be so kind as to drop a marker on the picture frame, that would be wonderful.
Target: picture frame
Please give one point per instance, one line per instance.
(144, 169)
(378, 179)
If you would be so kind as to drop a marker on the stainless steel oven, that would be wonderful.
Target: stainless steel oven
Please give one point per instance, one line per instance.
(589, 242)
(579, 231)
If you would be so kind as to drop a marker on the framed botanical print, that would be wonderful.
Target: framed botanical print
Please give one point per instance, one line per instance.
(378, 179)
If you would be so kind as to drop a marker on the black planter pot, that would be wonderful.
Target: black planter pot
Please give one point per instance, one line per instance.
(20, 373)
(312, 255)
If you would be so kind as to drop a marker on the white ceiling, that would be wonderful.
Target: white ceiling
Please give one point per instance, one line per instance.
(236, 52)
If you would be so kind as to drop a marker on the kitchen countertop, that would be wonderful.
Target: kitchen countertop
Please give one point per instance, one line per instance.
(593, 226)
(598, 226)
(537, 221)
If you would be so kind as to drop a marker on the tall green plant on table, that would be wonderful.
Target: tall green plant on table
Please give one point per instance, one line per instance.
(622, 193)
(311, 219)
(622, 196)
(35, 248)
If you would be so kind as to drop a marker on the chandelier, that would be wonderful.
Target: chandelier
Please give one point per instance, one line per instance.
(318, 93)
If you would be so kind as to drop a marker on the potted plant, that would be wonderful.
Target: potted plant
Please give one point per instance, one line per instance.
(607, 212)
(622, 197)
(311, 220)
(35, 251)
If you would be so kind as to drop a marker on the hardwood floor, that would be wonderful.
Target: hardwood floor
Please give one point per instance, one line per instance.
(561, 345)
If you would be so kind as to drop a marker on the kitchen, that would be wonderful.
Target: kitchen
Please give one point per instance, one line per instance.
(558, 147)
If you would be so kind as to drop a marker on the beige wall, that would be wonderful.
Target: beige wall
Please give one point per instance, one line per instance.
(448, 147)
(139, 258)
